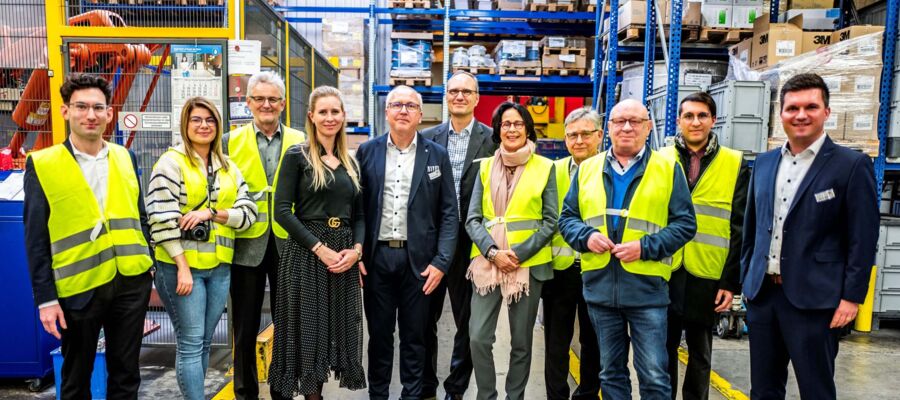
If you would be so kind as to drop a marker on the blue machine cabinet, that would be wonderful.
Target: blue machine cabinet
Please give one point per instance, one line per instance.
(24, 345)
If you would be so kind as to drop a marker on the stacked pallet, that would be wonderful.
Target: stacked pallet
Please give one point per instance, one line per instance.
(343, 44)
(564, 56)
(518, 57)
(411, 58)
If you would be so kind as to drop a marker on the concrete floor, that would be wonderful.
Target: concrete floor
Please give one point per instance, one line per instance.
(866, 368)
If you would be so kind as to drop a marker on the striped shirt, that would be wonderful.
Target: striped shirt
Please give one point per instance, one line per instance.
(457, 146)
(167, 194)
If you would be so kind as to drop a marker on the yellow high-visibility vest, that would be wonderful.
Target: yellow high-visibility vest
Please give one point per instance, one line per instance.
(244, 152)
(704, 256)
(524, 214)
(88, 245)
(220, 246)
(563, 254)
(647, 214)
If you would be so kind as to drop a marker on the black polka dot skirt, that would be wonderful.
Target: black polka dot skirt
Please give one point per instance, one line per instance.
(318, 319)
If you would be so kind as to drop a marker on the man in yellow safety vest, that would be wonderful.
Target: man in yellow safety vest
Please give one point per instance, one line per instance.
(86, 232)
(257, 149)
(710, 272)
(628, 211)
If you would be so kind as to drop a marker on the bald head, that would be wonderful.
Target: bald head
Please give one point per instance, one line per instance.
(403, 89)
(629, 127)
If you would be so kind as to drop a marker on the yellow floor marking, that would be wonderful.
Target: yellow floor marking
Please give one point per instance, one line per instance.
(716, 381)
(227, 392)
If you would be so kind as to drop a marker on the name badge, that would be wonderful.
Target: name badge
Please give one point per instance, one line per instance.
(824, 195)
(434, 175)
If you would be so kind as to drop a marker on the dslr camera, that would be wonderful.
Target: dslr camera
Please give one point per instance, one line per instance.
(199, 232)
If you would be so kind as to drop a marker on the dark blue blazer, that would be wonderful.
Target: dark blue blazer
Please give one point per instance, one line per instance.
(432, 221)
(828, 247)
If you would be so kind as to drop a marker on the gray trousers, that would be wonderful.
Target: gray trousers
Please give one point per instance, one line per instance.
(482, 328)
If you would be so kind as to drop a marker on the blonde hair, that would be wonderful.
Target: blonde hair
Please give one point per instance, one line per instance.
(340, 143)
(215, 148)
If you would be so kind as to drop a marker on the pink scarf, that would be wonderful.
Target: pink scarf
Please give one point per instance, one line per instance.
(483, 273)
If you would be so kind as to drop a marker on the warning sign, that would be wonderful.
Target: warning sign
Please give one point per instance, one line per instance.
(146, 121)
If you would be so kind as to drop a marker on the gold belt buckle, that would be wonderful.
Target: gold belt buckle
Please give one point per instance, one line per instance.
(334, 222)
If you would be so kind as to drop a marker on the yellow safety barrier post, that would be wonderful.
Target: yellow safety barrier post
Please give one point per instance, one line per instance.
(264, 352)
(864, 316)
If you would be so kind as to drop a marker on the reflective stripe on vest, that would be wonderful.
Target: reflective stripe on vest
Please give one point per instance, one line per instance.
(243, 150)
(704, 256)
(523, 215)
(88, 245)
(563, 254)
(220, 246)
(646, 214)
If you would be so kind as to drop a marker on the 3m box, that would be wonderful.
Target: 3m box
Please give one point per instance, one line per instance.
(814, 19)
(741, 51)
(814, 40)
(870, 47)
(743, 16)
(716, 16)
(773, 43)
(863, 83)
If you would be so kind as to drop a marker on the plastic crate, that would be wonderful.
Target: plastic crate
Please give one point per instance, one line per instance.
(747, 134)
(98, 377)
(741, 99)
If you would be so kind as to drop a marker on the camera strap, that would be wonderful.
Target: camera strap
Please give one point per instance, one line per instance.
(210, 178)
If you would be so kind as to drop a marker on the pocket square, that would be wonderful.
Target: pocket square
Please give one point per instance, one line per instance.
(824, 195)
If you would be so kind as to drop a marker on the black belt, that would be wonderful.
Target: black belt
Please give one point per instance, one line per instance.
(394, 244)
(774, 278)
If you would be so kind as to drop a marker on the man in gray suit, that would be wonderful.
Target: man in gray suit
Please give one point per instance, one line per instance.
(257, 149)
(466, 140)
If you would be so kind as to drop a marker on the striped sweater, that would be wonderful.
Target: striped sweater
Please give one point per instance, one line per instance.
(167, 194)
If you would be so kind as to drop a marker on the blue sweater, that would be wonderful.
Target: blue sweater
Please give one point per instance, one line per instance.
(613, 286)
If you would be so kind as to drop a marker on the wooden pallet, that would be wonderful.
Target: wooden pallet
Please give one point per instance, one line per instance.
(635, 33)
(410, 81)
(565, 71)
(409, 3)
(552, 7)
(475, 70)
(548, 51)
(723, 35)
(520, 71)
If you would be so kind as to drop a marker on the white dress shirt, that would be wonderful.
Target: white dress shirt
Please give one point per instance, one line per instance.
(791, 171)
(398, 171)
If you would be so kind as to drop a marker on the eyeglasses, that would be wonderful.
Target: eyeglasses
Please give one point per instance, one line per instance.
(620, 122)
(584, 135)
(410, 107)
(263, 99)
(197, 121)
(82, 108)
(507, 125)
(464, 92)
(702, 117)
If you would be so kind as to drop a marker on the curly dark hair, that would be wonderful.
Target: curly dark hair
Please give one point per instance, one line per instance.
(497, 120)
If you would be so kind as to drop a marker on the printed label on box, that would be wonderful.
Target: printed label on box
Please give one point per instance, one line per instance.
(862, 122)
(698, 79)
(833, 83)
(556, 42)
(865, 84)
(831, 122)
(868, 48)
(515, 48)
(340, 26)
(409, 57)
(785, 48)
(570, 58)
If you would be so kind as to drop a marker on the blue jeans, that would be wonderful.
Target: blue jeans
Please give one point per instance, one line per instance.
(194, 317)
(648, 332)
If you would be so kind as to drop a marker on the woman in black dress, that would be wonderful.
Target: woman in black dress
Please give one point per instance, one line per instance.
(318, 318)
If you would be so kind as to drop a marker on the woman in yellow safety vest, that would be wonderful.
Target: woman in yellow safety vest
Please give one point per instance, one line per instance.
(196, 200)
(512, 217)
(318, 318)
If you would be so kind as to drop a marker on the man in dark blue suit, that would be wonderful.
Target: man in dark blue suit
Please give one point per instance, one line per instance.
(412, 221)
(809, 246)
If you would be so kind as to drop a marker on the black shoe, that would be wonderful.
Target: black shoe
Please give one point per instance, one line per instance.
(451, 396)
(429, 397)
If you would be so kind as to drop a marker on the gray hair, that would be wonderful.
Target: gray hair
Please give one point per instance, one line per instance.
(402, 88)
(269, 77)
(585, 113)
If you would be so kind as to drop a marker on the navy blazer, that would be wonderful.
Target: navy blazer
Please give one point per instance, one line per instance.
(828, 247)
(432, 221)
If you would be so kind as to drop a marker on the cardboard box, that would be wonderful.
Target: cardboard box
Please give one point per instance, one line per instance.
(632, 12)
(742, 17)
(870, 48)
(741, 51)
(718, 2)
(861, 126)
(691, 14)
(560, 42)
(835, 82)
(563, 61)
(749, 3)
(862, 84)
(716, 16)
(860, 4)
(814, 19)
(511, 4)
(814, 40)
(805, 4)
(775, 42)
(835, 123)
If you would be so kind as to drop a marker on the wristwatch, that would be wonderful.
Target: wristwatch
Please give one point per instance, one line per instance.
(492, 252)
(213, 212)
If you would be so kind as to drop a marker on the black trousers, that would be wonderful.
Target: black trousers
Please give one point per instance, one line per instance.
(119, 307)
(393, 296)
(248, 290)
(699, 343)
(460, 290)
(781, 333)
(562, 296)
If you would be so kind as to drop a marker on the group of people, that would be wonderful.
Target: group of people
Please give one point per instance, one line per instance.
(641, 245)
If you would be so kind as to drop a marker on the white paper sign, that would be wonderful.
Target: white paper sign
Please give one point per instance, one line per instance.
(243, 57)
(516, 49)
(569, 58)
(831, 122)
(833, 82)
(868, 48)
(698, 79)
(785, 48)
(409, 57)
(340, 26)
(863, 122)
(556, 42)
(865, 84)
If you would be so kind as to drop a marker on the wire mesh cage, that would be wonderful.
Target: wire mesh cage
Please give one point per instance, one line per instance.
(300, 78)
(148, 13)
(326, 73)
